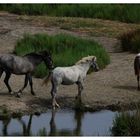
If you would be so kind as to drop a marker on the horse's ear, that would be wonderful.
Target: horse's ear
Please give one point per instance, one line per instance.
(50, 52)
(94, 58)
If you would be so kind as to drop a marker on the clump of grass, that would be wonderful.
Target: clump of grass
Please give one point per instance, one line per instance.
(66, 49)
(130, 41)
(126, 124)
(42, 132)
(4, 113)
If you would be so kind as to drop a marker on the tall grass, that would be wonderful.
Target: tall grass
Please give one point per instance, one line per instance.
(130, 41)
(65, 49)
(126, 124)
(120, 12)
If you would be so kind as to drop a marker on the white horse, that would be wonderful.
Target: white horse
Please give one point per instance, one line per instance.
(70, 75)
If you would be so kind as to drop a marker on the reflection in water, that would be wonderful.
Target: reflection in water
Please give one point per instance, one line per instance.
(26, 129)
(59, 123)
(5, 124)
(78, 119)
(66, 132)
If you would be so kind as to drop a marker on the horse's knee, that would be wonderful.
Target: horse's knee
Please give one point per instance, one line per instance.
(1, 72)
(82, 87)
(53, 94)
(137, 78)
(5, 80)
(54, 90)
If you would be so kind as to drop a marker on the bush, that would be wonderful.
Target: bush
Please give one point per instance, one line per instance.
(126, 124)
(65, 49)
(131, 41)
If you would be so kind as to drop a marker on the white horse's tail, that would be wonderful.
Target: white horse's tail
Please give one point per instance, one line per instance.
(47, 79)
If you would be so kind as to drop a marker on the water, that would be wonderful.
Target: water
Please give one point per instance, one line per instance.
(60, 123)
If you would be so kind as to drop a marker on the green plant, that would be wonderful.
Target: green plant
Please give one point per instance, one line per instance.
(130, 41)
(126, 124)
(66, 49)
(121, 12)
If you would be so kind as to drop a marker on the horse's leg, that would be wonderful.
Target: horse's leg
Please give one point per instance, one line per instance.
(31, 84)
(53, 94)
(1, 71)
(138, 82)
(25, 84)
(6, 79)
(80, 88)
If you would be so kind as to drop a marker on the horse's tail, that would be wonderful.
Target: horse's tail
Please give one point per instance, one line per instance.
(137, 65)
(47, 79)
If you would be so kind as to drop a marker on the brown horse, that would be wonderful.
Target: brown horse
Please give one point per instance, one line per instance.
(137, 68)
(23, 65)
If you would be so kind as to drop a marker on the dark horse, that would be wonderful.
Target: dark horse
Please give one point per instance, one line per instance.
(23, 65)
(137, 68)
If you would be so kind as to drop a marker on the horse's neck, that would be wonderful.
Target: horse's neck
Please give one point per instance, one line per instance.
(35, 60)
(85, 67)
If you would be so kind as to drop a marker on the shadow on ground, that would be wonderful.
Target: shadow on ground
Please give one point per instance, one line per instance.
(124, 87)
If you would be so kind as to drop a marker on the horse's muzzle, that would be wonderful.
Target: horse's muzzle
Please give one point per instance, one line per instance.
(95, 68)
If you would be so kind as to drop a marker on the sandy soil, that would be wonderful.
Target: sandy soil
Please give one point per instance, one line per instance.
(111, 88)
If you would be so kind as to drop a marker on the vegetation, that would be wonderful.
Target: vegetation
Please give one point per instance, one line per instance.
(121, 12)
(42, 132)
(127, 124)
(65, 49)
(131, 41)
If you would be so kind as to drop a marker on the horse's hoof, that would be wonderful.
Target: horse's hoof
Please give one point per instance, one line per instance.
(33, 93)
(12, 92)
(78, 97)
(18, 95)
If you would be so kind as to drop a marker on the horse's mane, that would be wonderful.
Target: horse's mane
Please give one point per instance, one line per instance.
(32, 54)
(35, 54)
(84, 59)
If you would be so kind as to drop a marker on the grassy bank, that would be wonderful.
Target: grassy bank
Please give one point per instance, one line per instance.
(130, 41)
(65, 49)
(122, 12)
(127, 124)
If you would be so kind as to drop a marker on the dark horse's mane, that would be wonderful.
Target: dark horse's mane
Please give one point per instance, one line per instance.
(32, 54)
(41, 53)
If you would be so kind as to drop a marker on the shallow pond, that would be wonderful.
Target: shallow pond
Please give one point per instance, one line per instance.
(60, 123)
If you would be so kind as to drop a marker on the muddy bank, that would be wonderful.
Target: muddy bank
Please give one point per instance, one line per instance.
(111, 88)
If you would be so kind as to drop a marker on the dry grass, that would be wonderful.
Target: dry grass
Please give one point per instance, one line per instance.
(92, 27)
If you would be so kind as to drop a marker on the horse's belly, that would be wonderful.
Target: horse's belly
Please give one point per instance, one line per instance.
(68, 82)
(65, 76)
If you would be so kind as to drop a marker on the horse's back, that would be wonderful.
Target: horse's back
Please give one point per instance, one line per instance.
(14, 64)
(65, 75)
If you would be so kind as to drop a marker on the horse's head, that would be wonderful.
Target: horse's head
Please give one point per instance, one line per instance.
(47, 58)
(94, 64)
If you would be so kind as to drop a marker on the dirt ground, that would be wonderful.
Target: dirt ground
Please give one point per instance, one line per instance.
(111, 88)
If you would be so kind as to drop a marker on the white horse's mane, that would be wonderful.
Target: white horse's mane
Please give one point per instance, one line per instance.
(85, 59)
